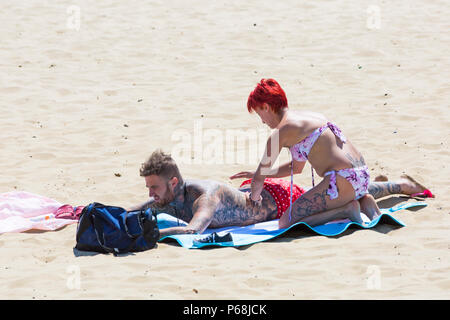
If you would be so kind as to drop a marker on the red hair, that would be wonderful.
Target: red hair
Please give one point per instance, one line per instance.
(270, 92)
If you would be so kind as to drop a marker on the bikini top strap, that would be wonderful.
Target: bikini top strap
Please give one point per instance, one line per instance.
(292, 182)
(337, 132)
(312, 175)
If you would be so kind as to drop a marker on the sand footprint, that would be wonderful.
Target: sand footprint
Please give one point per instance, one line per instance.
(64, 92)
(110, 92)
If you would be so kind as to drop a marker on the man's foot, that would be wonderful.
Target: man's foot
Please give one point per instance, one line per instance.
(410, 186)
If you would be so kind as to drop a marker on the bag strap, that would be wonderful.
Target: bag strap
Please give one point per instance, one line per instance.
(132, 236)
(292, 182)
(98, 228)
(140, 218)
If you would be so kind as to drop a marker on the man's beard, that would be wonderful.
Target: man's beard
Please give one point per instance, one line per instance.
(167, 198)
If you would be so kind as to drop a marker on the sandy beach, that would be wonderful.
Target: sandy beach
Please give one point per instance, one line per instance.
(90, 88)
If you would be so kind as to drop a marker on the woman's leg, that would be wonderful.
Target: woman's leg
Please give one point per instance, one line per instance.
(405, 185)
(316, 207)
(369, 207)
(350, 211)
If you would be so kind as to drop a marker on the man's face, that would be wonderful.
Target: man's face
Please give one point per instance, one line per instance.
(160, 189)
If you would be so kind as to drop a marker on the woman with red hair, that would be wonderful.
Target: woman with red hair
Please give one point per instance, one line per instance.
(343, 192)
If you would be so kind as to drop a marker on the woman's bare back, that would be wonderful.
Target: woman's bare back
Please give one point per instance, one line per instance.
(328, 152)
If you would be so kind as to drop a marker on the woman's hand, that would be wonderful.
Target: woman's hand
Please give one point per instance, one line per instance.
(243, 175)
(251, 202)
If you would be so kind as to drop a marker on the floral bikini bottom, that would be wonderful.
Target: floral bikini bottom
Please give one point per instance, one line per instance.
(359, 178)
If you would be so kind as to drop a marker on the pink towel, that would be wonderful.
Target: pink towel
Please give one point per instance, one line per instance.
(21, 211)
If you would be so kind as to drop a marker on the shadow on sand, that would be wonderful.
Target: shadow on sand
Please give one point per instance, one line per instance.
(384, 226)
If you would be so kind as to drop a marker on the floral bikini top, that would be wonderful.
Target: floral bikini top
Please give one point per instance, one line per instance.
(300, 151)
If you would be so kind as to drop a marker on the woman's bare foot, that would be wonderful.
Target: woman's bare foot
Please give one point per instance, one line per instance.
(369, 207)
(353, 212)
(381, 177)
(410, 186)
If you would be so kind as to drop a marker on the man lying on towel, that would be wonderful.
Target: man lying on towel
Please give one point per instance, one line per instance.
(213, 204)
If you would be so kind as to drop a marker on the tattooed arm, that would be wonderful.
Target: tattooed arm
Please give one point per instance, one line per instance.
(142, 206)
(162, 232)
(203, 211)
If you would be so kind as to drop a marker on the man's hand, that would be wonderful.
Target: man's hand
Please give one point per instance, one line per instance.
(175, 230)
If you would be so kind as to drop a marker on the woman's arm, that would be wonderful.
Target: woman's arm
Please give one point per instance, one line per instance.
(285, 170)
(271, 153)
(282, 171)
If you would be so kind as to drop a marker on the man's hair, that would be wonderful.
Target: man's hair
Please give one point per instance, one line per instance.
(267, 91)
(160, 164)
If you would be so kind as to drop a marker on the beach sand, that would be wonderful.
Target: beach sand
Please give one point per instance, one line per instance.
(84, 104)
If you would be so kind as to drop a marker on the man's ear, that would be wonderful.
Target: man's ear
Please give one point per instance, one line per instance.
(173, 182)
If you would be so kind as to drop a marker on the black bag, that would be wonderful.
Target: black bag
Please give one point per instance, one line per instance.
(109, 229)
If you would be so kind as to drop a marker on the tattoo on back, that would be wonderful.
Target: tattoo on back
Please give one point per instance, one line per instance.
(355, 161)
(229, 205)
(234, 209)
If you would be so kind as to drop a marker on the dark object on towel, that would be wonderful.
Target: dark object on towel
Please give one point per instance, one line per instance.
(109, 229)
(226, 239)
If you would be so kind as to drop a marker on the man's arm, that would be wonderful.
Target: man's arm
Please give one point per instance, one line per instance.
(174, 230)
(203, 209)
(142, 206)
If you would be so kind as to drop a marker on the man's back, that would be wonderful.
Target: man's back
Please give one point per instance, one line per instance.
(230, 206)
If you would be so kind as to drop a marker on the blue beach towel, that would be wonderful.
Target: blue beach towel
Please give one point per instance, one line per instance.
(263, 231)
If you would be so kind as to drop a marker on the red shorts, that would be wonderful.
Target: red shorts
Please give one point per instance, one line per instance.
(280, 190)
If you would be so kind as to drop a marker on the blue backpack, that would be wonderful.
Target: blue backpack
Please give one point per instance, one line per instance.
(109, 229)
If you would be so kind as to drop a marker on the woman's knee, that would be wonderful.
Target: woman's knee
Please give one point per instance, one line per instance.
(367, 199)
(354, 206)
